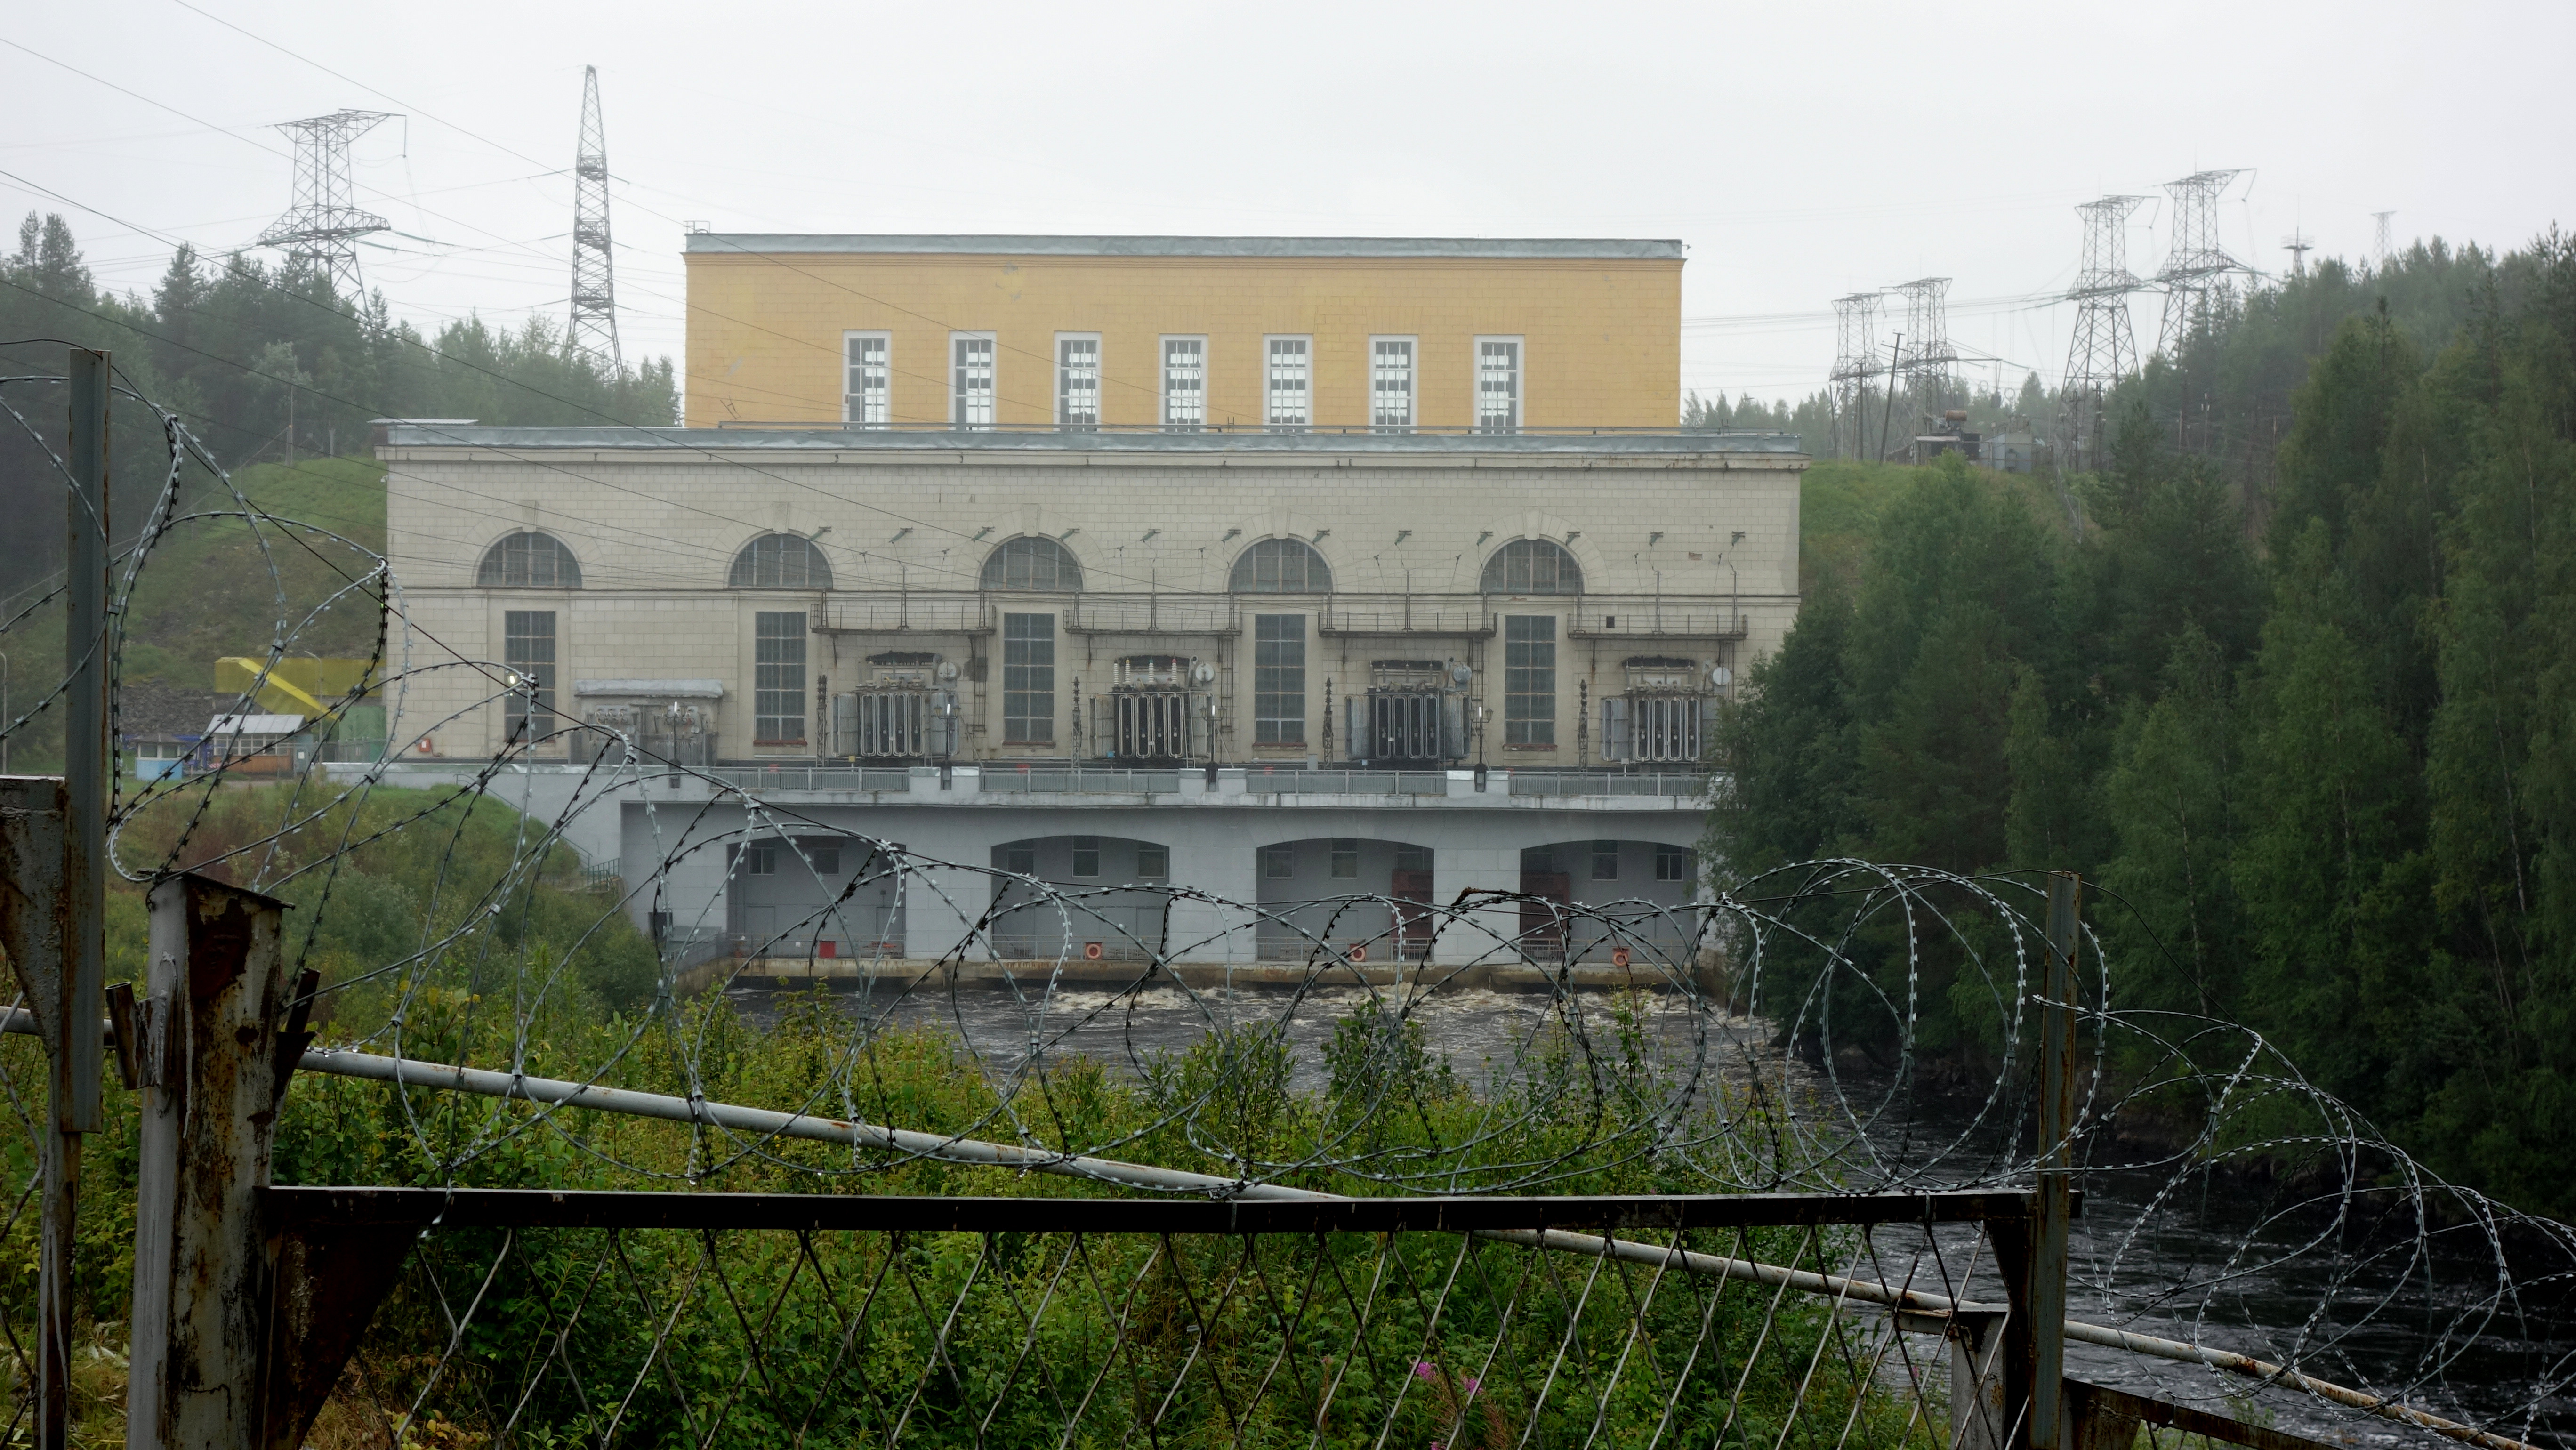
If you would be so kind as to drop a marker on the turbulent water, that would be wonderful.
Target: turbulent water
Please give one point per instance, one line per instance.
(2197, 1263)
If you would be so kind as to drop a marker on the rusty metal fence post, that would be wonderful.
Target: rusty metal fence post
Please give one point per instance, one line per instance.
(2031, 1258)
(53, 888)
(213, 1062)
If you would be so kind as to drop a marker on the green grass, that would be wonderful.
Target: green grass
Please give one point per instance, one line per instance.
(1838, 509)
(208, 589)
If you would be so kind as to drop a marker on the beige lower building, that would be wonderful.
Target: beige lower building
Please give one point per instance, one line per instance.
(906, 622)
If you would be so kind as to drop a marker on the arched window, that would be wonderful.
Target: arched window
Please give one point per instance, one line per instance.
(1037, 564)
(1281, 566)
(780, 561)
(1533, 566)
(529, 560)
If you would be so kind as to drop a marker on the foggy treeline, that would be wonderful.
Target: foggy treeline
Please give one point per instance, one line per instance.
(269, 364)
(2292, 680)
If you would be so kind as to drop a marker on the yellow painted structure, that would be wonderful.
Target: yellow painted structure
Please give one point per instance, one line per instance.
(306, 686)
(1599, 323)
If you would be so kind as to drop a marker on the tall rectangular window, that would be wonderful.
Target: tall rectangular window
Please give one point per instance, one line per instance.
(778, 678)
(1391, 384)
(970, 391)
(1346, 858)
(1077, 382)
(869, 397)
(1028, 679)
(1279, 862)
(1184, 384)
(1529, 679)
(1086, 857)
(528, 648)
(1278, 679)
(1498, 384)
(1672, 863)
(1290, 384)
(1605, 860)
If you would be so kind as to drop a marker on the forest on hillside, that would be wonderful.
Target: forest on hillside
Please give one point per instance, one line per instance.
(270, 364)
(2291, 679)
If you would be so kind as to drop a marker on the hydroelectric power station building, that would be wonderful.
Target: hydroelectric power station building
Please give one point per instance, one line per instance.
(1281, 568)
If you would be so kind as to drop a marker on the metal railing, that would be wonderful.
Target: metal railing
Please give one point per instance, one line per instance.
(813, 777)
(1077, 780)
(1346, 782)
(1608, 782)
(1647, 616)
(1192, 614)
(870, 612)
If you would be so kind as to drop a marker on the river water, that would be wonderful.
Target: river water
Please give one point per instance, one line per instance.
(2197, 1257)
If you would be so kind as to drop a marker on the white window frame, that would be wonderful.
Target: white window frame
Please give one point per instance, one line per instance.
(992, 377)
(1520, 382)
(850, 408)
(1412, 382)
(1269, 416)
(1163, 377)
(1099, 377)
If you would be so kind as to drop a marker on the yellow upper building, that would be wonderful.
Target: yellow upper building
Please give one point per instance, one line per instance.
(1183, 333)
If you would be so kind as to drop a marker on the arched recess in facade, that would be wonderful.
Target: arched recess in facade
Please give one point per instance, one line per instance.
(1280, 566)
(1104, 908)
(780, 561)
(528, 559)
(1303, 890)
(1638, 896)
(813, 896)
(1032, 563)
(1531, 566)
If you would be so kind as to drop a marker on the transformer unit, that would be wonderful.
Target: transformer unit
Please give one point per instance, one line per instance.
(671, 722)
(904, 711)
(1664, 716)
(1414, 714)
(1156, 711)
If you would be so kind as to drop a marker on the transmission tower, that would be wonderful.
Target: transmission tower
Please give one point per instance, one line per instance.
(1855, 357)
(321, 225)
(2197, 266)
(594, 275)
(2298, 246)
(1931, 375)
(2102, 351)
(2381, 217)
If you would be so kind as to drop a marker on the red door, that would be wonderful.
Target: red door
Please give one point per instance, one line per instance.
(1543, 920)
(1412, 922)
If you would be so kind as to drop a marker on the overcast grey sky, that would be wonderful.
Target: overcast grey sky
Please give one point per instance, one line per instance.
(1803, 151)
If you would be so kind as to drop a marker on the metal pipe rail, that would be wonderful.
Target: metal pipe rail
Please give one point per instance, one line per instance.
(762, 1121)
(483, 1082)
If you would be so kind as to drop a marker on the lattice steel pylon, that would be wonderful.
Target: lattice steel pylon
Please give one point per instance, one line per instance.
(594, 271)
(2196, 266)
(1931, 372)
(2102, 351)
(2381, 219)
(321, 225)
(1855, 358)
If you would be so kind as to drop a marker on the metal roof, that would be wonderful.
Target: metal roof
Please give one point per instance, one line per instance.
(1441, 248)
(1359, 442)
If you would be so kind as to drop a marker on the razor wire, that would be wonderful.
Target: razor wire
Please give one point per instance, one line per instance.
(1764, 1036)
